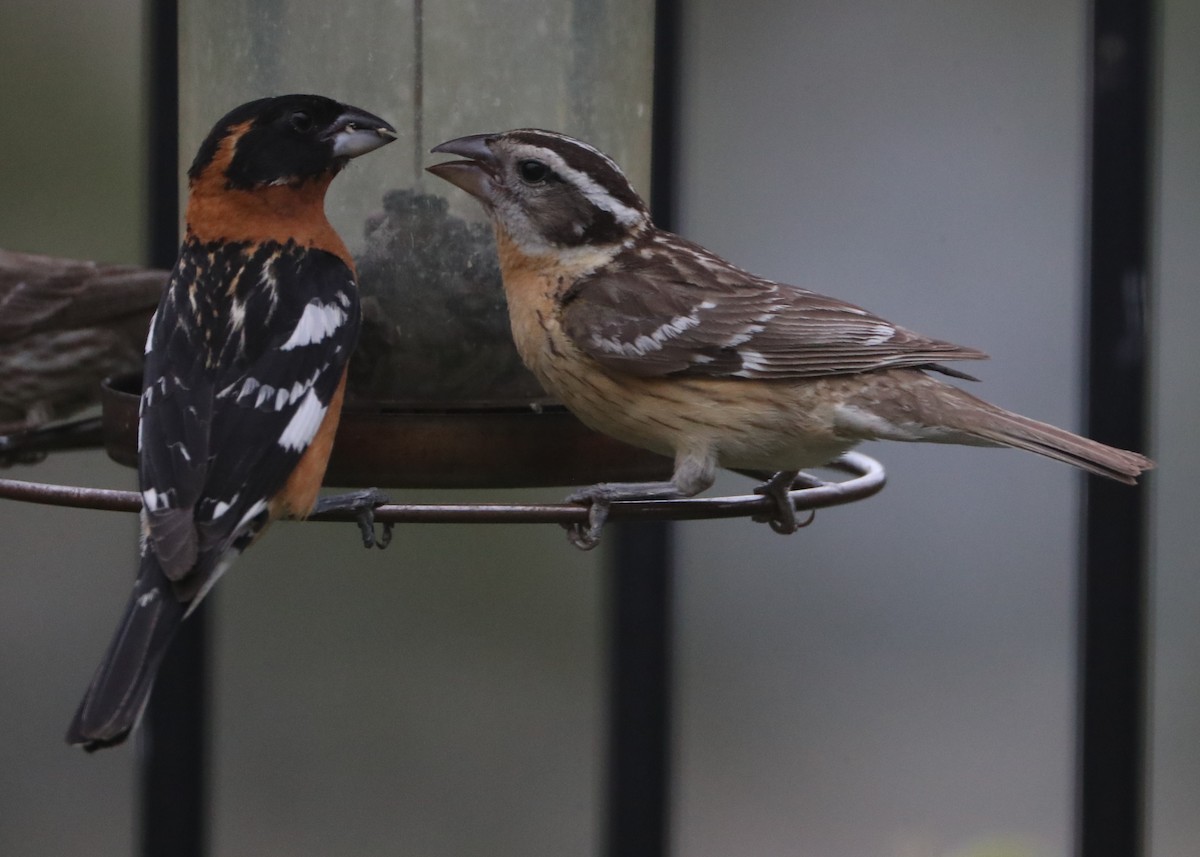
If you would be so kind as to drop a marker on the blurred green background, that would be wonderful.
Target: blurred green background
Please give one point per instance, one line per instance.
(71, 184)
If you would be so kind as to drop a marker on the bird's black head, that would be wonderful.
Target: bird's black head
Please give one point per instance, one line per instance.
(546, 189)
(286, 139)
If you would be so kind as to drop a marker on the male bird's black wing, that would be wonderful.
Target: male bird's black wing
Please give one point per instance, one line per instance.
(173, 437)
(669, 307)
(221, 435)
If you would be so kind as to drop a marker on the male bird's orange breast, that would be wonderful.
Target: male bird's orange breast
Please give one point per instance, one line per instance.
(277, 214)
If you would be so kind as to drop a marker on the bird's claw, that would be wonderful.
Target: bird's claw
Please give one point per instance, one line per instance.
(782, 518)
(586, 536)
(366, 526)
(362, 504)
(599, 499)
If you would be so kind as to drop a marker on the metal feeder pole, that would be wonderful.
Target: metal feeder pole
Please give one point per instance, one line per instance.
(638, 787)
(173, 757)
(1112, 608)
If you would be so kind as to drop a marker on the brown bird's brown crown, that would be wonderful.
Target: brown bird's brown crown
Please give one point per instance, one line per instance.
(549, 190)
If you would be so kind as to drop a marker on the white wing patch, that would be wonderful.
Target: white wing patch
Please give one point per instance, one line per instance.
(251, 513)
(883, 332)
(318, 321)
(304, 423)
(753, 361)
(647, 342)
(154, 501)
(164, 385)
(150, 334)
(222, 507)
(237, 314)
(274, 398)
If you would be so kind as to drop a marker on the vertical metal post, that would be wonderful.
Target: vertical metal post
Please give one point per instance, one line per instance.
(1111, 767)
(638, 787)
(174, 736)
(637, 800)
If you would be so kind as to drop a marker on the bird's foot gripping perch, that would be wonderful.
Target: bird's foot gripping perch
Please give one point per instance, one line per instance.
(783, 517)
(693, 474)
(362, 504)
(599, 499)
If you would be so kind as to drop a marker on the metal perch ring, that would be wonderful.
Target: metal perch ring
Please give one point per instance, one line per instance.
(867, 479)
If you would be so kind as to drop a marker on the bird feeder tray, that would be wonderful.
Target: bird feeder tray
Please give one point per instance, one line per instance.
(440, 446)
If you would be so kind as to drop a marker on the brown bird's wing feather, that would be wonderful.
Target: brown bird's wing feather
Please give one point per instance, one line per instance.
(688, 312)
(45, 293)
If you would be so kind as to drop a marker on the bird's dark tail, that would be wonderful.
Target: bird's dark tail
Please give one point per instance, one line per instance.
(121, 686)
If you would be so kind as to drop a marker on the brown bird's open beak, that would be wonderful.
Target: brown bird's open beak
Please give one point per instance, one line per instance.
(477, 175)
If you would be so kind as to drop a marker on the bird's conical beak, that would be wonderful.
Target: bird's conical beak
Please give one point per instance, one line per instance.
(476, 175)
(356, 132)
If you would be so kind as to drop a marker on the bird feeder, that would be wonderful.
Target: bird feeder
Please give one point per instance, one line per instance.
(437, 393)
(438, 396)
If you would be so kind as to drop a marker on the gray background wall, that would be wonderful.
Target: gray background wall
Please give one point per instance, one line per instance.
(900, 682)
(895, 680)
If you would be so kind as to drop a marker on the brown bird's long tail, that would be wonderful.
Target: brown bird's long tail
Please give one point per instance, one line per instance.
(117, 696)
(990, 425)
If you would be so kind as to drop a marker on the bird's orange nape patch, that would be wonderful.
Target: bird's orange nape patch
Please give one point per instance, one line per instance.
(212, 177)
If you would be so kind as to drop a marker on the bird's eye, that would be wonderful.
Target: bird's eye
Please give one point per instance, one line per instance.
(301, 121)
(533, 171)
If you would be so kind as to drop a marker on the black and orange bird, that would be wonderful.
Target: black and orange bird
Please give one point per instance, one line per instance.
(244, 377)
(65, 325)
(658, 342)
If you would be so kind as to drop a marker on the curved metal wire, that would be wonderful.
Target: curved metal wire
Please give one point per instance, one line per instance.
(868, 478)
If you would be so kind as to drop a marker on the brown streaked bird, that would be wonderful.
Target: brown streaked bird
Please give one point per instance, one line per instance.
(65, 325)
(658, 342)
(245, 372)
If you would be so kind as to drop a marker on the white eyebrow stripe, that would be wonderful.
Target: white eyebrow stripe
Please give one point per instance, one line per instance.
(595, 193)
